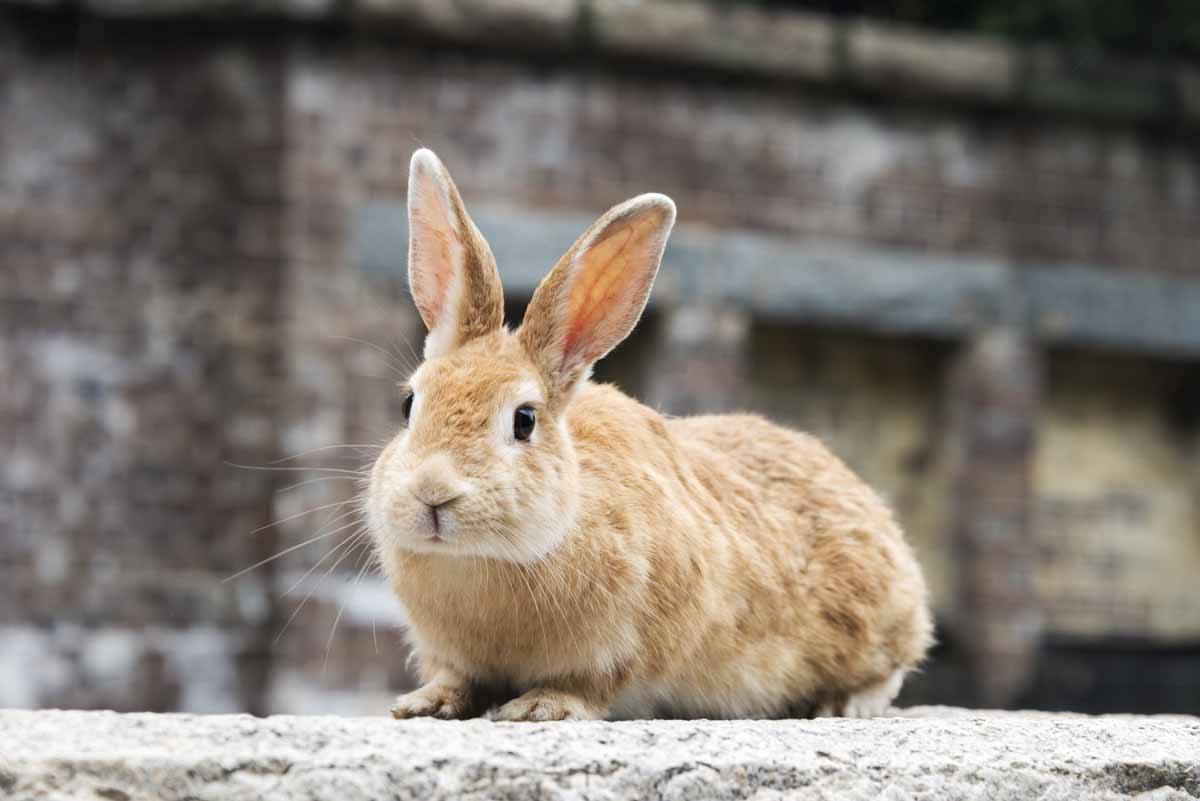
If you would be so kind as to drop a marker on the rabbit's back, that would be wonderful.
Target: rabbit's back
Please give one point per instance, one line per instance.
(820, 604)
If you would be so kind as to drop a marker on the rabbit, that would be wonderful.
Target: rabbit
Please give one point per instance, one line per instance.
(563, 552)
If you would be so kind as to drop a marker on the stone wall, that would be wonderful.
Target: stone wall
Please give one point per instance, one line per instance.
(190, 283)
(1117, 521)
(141, 203)
(752, 160)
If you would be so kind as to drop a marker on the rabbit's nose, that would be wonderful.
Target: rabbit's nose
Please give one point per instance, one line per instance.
(434, 495)
(435, 483)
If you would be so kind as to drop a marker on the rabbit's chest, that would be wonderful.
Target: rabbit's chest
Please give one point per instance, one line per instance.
(515, 640)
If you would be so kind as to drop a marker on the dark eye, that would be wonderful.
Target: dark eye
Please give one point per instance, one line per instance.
(406, 408)
(523, 422)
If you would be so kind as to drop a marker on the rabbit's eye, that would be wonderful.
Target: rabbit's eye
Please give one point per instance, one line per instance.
(406, 408)
(523, 422)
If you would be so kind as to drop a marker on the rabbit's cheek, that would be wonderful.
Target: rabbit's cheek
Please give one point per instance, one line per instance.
(545, 523)
(394, 517)
(381, 490)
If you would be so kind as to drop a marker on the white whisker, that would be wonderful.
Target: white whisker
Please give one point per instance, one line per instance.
(299, 484)
(302, 514)
(309, 572)
(284, 552)
(332, 632)
(296, 612)
(311, 451)
(357, 473)
(387, 355)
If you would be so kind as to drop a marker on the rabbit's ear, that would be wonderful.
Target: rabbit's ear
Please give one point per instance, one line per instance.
(594, 296)
(451, 271)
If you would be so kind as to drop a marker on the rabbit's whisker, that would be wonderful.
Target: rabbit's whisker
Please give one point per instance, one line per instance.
(323, 448)
(309, 572)
(282, 553)
(320, 508)
(342, 608)
(305, 483)
(359, 473)
(388, 355)
(362, 569)
(348, 541)
(329, 642)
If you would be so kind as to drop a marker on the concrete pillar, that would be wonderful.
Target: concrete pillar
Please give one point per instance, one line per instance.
(995, 391)
(700, 360)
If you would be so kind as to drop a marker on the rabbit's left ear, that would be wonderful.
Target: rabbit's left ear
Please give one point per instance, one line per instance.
(594, 296)
(451, 271)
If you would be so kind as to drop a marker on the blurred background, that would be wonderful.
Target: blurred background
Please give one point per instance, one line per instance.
(957, 240)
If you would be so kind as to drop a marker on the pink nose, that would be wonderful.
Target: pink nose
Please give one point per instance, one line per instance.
(435, 483)
(434, 496)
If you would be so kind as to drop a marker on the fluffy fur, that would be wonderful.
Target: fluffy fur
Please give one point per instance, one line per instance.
(617, 563)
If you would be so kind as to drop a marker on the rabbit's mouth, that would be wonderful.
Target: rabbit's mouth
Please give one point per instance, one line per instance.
(410, 524)
(437, 524)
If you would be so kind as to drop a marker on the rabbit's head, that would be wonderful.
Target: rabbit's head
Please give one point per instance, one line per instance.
(483, 463)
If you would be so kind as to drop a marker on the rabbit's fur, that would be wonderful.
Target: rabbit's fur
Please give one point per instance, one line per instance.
(618, 563)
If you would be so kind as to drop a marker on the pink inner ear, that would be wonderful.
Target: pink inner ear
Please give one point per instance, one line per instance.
(434, 273)
(600, 290)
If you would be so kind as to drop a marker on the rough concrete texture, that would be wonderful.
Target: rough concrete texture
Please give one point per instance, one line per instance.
(927, 753)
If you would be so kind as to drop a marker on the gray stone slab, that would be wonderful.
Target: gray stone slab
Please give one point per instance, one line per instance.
(930, 754)
(1085, 306)
(878, 290)
(893, 292)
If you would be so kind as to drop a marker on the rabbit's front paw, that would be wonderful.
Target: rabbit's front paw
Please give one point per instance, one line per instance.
(869, 702)
(436, 700)
(540, 705)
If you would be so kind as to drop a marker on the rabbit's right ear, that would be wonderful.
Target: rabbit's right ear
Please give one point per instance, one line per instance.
(451, 271)
(594, 296)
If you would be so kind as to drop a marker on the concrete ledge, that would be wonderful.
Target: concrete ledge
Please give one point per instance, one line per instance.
(927, 753)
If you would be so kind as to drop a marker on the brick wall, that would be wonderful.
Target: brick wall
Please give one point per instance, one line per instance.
(184, 288)
(140, 209)
(945, 183)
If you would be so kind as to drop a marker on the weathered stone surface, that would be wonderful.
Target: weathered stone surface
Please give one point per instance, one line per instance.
(1077, 305)
(808, 280)
(879, 57)
(791, 44)
(932, 753)
(912, 61)
(141, 238)
(542, 23)
(994, 398)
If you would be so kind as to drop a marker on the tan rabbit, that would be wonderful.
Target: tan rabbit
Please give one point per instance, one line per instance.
(561, 548)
